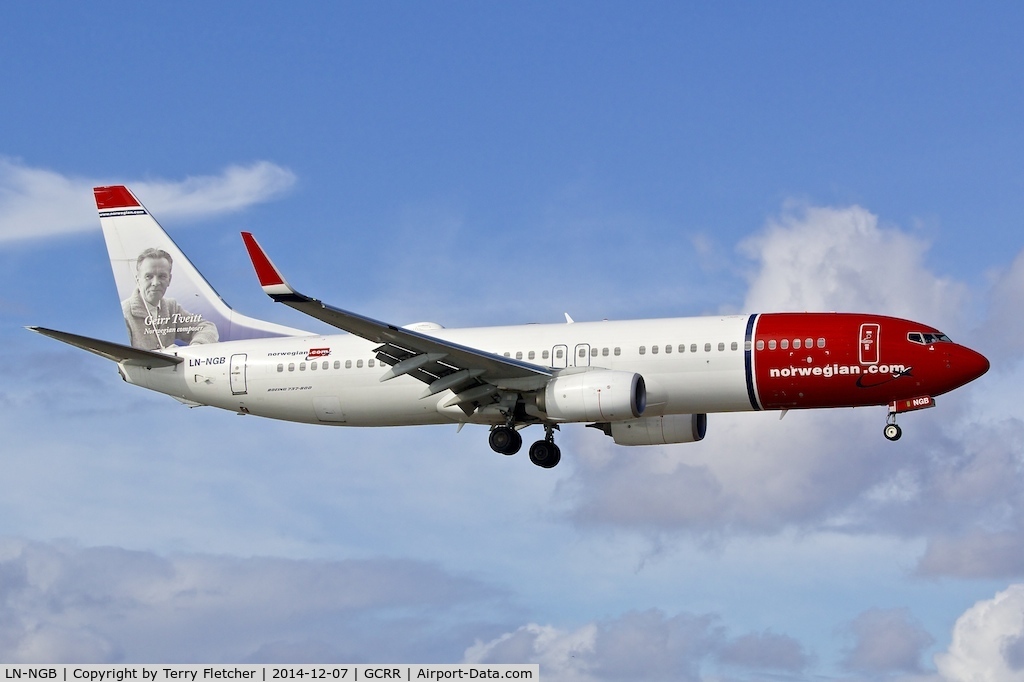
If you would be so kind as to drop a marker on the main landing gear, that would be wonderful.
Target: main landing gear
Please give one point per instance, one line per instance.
(505, 440)
(544, 453)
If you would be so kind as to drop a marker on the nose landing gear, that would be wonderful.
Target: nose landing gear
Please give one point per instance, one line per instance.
(892, 431)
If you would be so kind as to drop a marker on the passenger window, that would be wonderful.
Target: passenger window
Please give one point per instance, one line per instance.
(604, 352)
(821, 342)
(654, 350)
(735, 346)
(348, 364)
(312, 366)
(519, 355)
(593, 351)
(325, 365)
(280, 367)
(808, 343)
(682, 348)
(760, 344)
(771, 345)
(707, 347)
(359, 364)
(558, 353)
(370, 363)
(291, 366)
(784, 344)
(302, 367)
(531, 355)
(693, 348)
(337, 364)
(617, 351)
(668, 347)
(544, 355)
(721, 346)
(643, 350)
(507, 354)
(583, 352)
(796, 344)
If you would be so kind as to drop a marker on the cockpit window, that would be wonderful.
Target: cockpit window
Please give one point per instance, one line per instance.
(926, 338)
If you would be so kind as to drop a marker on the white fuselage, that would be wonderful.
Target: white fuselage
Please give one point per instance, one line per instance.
(335, 379)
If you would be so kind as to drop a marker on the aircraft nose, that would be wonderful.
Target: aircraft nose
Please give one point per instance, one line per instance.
(971, 364)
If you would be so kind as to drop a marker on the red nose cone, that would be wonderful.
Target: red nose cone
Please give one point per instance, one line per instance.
(970, 364)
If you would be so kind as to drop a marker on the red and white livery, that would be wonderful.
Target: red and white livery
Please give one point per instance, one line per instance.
(642, 382)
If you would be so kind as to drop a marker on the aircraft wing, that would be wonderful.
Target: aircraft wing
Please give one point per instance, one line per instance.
(112, 351)
(441, 364)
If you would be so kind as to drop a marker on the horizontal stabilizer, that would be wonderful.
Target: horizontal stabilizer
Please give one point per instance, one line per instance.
(112, 351)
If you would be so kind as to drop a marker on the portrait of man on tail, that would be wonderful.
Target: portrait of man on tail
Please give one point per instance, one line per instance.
(154, 320)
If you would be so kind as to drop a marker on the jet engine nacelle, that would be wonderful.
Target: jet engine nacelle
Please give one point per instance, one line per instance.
(597, 395)
(672, 428)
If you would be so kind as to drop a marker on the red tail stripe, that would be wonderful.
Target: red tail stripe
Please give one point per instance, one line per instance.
(115, 196)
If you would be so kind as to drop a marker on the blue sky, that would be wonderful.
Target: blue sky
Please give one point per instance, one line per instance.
(477, 163)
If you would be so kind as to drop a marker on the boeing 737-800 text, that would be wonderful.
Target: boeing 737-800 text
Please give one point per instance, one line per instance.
(642, 382)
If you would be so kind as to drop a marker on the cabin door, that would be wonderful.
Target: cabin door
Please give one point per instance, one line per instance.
(236, 374)
(869, 343)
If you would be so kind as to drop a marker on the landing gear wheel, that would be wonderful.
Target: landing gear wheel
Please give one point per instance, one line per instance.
(892, 432)
(505, 441)
(545, 453)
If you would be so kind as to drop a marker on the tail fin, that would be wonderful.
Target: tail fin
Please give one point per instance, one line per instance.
(165, 300)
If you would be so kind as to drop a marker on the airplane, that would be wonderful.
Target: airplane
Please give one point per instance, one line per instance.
(641, 382)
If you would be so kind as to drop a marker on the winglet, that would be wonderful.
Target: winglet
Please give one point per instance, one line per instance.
(270, 277)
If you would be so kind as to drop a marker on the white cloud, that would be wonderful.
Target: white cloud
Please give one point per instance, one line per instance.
(976, 553)
(751, 474)
(67, 604)
(765, 650)
(640, 645)
(234, 189)
(37, 203)
(63, 603)
(988, 641)
(824, 258)
(1003, 331)
(886, 640)
(952, 480)
(564, 656)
